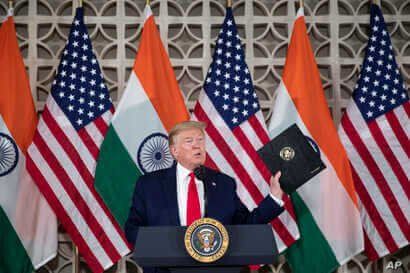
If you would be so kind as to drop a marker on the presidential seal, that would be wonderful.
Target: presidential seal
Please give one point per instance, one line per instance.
(206, 240)
(287, 153)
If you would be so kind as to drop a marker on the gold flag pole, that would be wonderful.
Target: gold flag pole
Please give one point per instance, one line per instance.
(11, 4)
(301, 4)
(229, 3)
(76, 261)
(76, 267)
(147, 2)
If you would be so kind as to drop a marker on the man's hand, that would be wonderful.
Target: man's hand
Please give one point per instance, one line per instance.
(275, 189)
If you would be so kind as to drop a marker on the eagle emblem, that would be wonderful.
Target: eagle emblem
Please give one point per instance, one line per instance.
(206, 240)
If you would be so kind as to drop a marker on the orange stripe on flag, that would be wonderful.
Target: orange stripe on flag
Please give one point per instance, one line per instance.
(307, 94)
(154, 71)
(16, 103)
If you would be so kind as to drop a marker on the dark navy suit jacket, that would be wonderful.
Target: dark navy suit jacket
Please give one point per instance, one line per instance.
(155, 203)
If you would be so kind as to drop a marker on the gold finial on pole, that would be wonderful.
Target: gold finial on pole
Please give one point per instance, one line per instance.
(80, 4)
(229, 3)
(376, 2)
(301, 4)
(147, 2)
(11, 3)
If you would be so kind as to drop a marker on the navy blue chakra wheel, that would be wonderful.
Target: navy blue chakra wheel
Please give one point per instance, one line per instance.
(153, 153)
(9, 154)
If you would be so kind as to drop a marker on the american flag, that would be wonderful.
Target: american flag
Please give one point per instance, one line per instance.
(236, 128)
(62, 157)
(375, 132)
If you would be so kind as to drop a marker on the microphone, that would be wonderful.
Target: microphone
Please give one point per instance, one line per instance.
(201, 174)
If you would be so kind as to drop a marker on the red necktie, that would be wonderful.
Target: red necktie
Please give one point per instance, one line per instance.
(193, 208)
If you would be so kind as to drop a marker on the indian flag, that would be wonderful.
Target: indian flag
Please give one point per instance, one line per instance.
(137, 140)
(28, 226)
(326, 207)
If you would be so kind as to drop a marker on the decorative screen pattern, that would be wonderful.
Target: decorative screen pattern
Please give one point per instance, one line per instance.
(338, 32)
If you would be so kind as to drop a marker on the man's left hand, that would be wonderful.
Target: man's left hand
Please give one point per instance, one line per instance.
(275, 188)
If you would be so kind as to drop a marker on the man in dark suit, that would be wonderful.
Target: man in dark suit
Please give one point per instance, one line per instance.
(174, 196)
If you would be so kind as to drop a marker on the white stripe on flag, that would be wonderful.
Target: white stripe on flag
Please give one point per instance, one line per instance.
(81, 187)
(372, 188)
(133, 104)
(243, 193)
(69, 207)
(223, 165)
(393, 142)
(259, 116)
(251, 135)
(107, 116)
(236, 147)
(403, 119)
(363, 130)
(279, 243)
(94, 133)
(372, 232)
(290, 224)
(71, 134)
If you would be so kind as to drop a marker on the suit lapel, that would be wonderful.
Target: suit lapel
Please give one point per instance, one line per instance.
(170, 191)
(212, 204)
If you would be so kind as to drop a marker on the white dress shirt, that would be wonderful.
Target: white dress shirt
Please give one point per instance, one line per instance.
(183, 179)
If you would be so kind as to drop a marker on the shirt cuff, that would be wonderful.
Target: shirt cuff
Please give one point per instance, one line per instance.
(277, 200)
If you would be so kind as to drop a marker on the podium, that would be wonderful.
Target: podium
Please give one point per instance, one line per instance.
(163, 247)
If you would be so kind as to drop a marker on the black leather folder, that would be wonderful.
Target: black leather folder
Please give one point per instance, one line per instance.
(295, 155)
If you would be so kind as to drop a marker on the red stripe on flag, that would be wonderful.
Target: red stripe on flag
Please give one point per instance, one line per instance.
(77, 161)
(369, 249)
(282, 231)
(373, 212)
(101, 125)
(277, 224)
(63, 217)
(76, 197)
(89, 142)
(377, 175)
(67, 146)
(389, 155)
(210, 163)
(398, 131)
(247, 146)
(288, 206)
(229, 155)
(259, 129)
(406, 107)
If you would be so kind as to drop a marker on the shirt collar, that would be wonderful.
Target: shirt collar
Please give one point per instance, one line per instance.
(182, 171)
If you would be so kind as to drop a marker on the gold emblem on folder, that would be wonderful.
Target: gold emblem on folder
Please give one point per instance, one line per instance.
(287, 153)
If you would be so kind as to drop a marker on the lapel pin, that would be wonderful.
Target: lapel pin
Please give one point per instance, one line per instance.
(213, 184)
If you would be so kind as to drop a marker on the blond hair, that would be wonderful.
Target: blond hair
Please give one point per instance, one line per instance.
(183, 126)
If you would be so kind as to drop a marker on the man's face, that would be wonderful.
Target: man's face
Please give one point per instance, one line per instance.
(189, 148)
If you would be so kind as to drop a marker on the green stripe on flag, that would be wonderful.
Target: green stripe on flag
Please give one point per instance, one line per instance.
(312, 252)
(13, 257)
(115, 176)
